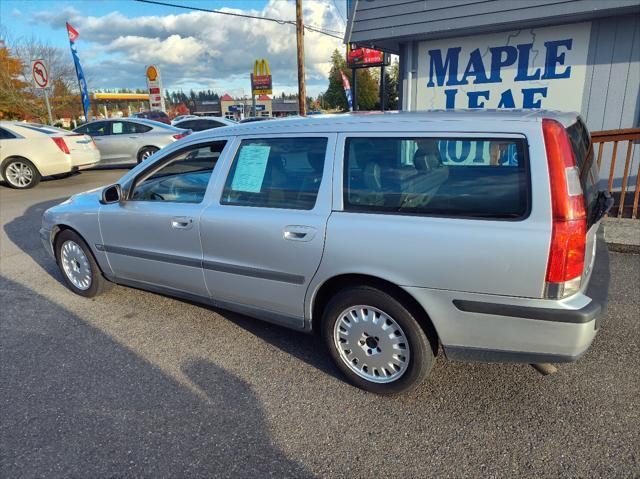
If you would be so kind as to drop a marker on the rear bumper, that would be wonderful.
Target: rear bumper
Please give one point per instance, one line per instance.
(85, 159)
(475, 328)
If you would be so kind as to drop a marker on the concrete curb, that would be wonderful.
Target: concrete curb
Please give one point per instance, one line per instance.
(622, 235)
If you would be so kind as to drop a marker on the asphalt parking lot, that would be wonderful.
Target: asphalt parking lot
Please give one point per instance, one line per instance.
(136, 384)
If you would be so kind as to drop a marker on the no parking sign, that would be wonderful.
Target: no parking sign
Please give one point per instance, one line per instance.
(40, 73)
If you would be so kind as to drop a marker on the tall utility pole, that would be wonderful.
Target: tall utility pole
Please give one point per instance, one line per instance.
(302, 93)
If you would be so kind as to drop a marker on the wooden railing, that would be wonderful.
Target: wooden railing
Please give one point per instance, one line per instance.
(628, 136)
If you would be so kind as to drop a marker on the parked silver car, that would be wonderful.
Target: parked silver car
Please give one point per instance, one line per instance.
(130, 140)
(388, 234)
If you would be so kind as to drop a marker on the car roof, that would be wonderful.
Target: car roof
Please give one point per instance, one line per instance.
(144, 121)
(27, 128)
(220, 119)
(466, 120)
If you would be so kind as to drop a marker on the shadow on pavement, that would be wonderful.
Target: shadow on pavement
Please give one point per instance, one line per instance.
(76, 403)
(24, 232)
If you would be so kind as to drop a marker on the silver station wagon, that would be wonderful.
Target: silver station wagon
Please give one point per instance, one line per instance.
(393, 236)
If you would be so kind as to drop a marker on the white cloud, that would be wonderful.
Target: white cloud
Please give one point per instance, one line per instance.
(203, 49)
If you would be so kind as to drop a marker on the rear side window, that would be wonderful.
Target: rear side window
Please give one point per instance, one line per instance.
(276, 173)
(457, 177)
(127, 128)
(140, 128)
(583, 153)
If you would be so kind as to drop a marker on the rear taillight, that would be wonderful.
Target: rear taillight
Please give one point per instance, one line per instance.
(58, 140)
(569, 227)
(181, 135)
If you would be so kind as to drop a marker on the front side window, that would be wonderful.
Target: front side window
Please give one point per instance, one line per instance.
(276, 173)
(182, 178)
(465, 177)
(98, 128)
(139, 127)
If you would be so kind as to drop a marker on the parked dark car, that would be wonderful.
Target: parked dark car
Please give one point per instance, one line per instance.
(203, 123)
(160, 116)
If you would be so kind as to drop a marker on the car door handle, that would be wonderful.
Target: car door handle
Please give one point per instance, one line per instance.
(181, 223)
(299, 233)
(134, 137)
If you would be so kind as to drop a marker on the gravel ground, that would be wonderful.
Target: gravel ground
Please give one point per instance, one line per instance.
(136, 384)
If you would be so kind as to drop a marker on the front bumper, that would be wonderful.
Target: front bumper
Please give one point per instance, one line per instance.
(45, 237)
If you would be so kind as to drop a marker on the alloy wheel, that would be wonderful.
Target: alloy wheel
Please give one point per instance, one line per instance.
(19, 174)
(372, 344)
(75, 265)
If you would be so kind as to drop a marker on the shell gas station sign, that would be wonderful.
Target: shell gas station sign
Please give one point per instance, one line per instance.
(261, 83)
(154, 83)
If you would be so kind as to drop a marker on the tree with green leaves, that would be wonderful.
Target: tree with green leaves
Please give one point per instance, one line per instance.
(334, 97)
(367, 87)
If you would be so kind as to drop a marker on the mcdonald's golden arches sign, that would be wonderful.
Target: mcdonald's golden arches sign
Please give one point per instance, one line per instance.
(261, 78)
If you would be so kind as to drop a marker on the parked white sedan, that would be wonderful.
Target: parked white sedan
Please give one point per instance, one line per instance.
(29, 151)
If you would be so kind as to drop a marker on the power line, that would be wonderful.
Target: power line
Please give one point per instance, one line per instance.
(339, 12)
(312, 28)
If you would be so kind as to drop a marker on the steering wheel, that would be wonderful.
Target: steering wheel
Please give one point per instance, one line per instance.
(156, 197)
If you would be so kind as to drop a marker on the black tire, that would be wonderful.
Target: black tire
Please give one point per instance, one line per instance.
(98, 283)
(16, 162)
(421, 357)
(145, 152)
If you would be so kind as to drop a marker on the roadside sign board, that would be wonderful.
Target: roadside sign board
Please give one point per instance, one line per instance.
(154, 83)
(365, 57)
(261, 83)
(40, 73)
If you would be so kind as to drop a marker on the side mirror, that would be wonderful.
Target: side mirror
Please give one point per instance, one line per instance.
(111, 194)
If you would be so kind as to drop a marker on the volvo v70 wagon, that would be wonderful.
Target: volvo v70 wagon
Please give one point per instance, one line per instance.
(393, 236)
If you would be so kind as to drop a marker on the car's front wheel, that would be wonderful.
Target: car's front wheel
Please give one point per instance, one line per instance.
(79, 269)
(20, 173)
(376, 341)
(146, 152)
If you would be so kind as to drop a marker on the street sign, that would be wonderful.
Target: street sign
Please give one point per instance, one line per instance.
(40, 73)
(154, 83)
(261, 78)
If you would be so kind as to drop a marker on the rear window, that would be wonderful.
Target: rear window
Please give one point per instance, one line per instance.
(459, 177)
(47, 130)
(6, 135)
(583, 152)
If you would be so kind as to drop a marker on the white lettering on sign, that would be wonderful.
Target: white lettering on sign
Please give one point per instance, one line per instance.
(531, 68)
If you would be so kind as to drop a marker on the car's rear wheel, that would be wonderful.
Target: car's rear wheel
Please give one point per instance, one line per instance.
(146, 152)
(79, 269)
(20, 173)
(376, 341)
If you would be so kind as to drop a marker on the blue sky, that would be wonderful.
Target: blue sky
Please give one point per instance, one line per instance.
(193, 49)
